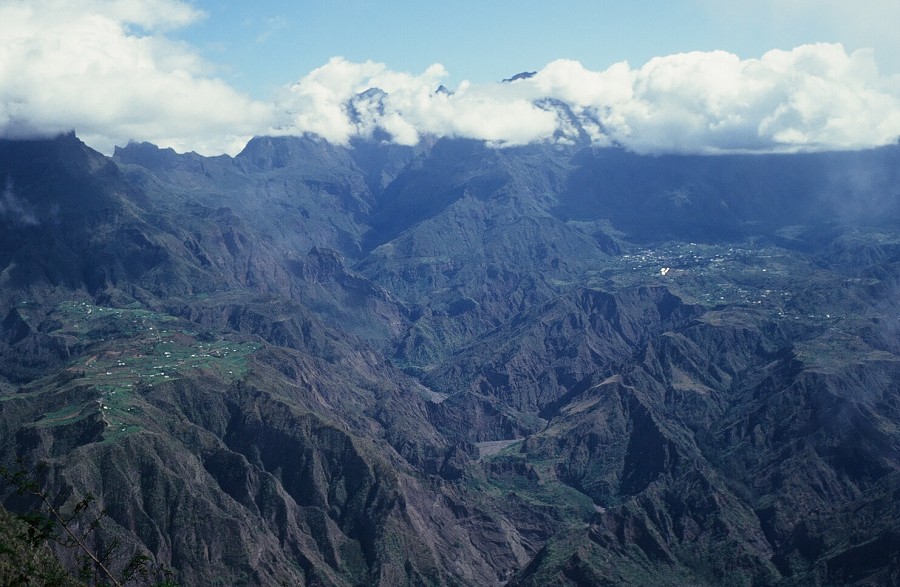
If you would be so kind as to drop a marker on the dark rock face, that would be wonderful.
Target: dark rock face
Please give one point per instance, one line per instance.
(458, 365)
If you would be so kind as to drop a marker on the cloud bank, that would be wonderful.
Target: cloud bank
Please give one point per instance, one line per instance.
(106, 69)
(813, 97)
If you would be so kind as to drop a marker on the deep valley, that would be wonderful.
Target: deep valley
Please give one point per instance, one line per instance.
(453, 364)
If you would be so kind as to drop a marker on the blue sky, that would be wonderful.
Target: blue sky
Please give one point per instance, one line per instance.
(265, 44)
(699, 76)
(275, 42)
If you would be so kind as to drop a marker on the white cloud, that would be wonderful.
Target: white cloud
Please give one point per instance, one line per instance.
(81, 65)
(408, 106)
(813, 97)
(856, 23)
(153, 14)
(810, 98)
(105, 69)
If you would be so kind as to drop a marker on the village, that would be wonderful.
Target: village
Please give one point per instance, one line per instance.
(120, 352)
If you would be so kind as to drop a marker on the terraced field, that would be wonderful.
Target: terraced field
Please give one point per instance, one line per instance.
(119, 352)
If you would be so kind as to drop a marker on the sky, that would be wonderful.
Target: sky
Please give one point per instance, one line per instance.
(699, 76)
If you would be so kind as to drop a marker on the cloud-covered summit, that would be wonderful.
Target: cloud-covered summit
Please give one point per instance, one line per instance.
(813, 97)
(108, 70)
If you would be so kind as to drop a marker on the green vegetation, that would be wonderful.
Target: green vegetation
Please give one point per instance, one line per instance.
(839, 347)
(714, 275)
(26, 560)
(25, 540)
(120, 351)
(510, 475)
(700, 353)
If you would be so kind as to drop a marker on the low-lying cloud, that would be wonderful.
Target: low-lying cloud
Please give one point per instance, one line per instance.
(813, 97)
(14, 210)
(106, 69)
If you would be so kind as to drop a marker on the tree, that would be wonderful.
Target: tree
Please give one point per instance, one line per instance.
(25, 553)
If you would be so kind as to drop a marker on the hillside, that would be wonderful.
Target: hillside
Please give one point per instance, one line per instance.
(453, 364)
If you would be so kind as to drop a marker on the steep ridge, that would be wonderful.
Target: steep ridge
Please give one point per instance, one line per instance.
(453, 364)
(731, 197)
(252, 397)
(757, 425)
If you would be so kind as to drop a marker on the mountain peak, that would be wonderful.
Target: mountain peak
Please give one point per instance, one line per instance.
(519, 76)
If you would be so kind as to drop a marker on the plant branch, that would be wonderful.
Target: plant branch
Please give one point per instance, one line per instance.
(77, 540)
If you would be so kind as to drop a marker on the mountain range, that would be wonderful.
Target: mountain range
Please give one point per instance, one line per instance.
(456, 364)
